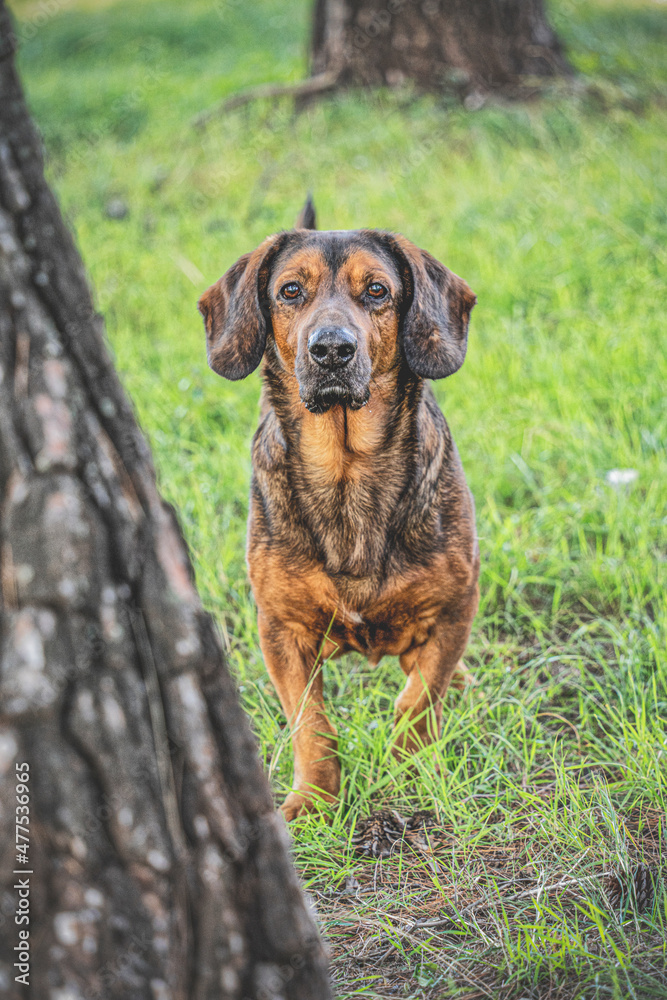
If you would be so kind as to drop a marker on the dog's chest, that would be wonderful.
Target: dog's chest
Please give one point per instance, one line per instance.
(389, 625)
(350, 521)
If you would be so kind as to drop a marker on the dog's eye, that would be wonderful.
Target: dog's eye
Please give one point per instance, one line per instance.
(291, 290)
(376, 290)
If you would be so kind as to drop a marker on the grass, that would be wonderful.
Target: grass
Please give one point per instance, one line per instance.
(555, 212)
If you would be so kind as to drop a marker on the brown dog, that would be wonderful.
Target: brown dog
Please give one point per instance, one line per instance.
(361, 532)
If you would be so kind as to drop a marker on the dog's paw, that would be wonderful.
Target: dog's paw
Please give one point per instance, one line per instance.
(464, 682)
(462, 679)
(409, 741)
(299, 804)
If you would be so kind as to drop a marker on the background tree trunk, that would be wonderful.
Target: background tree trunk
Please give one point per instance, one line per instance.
(157, 865)
(476, 45)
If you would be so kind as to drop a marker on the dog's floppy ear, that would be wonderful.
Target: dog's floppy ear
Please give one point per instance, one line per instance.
(437, 311)
(235, 312)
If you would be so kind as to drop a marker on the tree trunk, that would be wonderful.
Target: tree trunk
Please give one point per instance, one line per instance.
(474, 45)
(156, 866)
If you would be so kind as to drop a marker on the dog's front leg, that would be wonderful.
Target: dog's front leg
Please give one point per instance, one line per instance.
(429, 668)
(294, 668)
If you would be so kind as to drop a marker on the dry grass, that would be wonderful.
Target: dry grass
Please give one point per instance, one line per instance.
(460, 899)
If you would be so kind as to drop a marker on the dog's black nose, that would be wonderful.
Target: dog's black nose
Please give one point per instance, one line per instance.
(332, 347)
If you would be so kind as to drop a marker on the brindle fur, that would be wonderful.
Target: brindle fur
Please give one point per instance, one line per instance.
(361, 524)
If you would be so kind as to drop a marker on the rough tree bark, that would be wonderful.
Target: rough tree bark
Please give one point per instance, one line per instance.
(480, 45)
(469, 47)
(159, 867)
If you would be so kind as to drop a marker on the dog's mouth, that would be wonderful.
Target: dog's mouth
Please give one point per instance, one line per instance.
(334, 394)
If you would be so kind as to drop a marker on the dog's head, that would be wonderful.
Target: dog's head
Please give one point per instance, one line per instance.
(337, 309)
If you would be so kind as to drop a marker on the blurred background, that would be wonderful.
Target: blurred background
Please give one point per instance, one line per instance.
(553, 210)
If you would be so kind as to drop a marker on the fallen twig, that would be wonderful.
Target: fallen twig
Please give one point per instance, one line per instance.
(271, 91)
(481, 904)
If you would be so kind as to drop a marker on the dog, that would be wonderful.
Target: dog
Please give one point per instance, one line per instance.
(361, 529)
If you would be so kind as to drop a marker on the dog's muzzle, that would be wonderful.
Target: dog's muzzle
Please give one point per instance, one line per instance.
(332, 347)
(333, 372)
